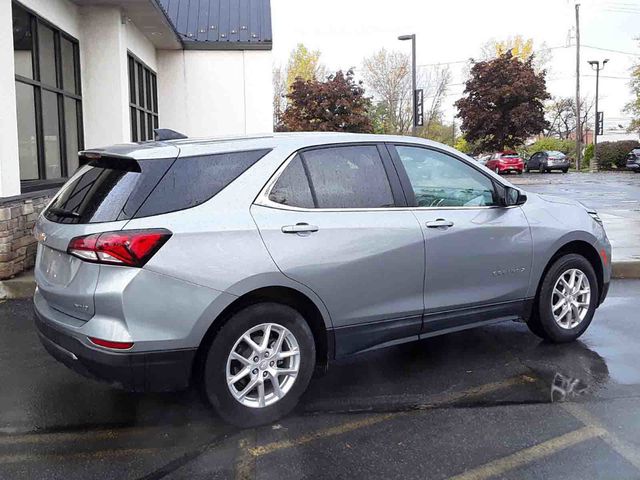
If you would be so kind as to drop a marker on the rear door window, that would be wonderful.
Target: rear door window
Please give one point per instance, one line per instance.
(335, 177)
(121, 189)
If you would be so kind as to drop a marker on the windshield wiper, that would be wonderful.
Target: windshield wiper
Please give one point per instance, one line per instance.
(61, 212)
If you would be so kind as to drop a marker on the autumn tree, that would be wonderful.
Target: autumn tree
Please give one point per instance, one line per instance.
(337, 104)
(561, 115)
(303, 63)
(503, 104)
(633, 107)
(387, 74)
(521, 48)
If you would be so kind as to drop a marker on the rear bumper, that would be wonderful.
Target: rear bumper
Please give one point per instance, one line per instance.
(558, 166)
(160, 371)
(633, 166)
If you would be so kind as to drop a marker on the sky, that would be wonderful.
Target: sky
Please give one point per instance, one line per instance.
(346, 31)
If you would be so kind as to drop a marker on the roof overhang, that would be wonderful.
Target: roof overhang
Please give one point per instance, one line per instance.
(148, 17)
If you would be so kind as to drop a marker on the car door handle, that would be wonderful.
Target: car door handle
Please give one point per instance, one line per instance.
(440, 222)
(299, 228)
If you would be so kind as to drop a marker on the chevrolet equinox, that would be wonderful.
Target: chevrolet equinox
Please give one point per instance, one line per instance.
(243, 265)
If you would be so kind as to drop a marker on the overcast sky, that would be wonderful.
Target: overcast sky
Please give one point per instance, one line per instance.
(346, 31)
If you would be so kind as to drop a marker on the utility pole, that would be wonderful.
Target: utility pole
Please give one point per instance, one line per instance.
(595, 64)
(412, 37)
(578, 118)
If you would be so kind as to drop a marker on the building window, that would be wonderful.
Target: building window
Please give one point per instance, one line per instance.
(48, 99)
(143, 100)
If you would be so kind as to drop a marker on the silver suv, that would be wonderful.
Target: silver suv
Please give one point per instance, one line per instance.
(244, 264)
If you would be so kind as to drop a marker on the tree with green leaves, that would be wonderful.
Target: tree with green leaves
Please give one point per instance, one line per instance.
(503, 103)
(337, 104)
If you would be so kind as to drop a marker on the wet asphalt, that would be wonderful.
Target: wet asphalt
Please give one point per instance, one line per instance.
(494, 402)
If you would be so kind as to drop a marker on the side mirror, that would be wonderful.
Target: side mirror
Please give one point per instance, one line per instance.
(509, 196)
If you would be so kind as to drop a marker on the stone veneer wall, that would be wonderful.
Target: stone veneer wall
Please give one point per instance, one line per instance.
(17, 244)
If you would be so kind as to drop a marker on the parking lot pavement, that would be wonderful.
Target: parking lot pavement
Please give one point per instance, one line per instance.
(616, 196)
(470, 405)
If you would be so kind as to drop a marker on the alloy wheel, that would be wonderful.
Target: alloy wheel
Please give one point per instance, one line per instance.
(263, 365)
(571, 298)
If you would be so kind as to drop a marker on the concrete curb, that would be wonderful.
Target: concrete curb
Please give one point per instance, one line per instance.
(18, 287)
(24, 285)
(626, 269)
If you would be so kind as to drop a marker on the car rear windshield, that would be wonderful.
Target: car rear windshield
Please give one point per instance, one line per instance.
(555, 154)
(107, 190)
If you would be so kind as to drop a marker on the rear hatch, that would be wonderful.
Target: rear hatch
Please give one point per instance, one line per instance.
(102, 196)
(511, 159)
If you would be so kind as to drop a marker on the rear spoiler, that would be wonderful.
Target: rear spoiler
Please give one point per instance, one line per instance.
(113, 161)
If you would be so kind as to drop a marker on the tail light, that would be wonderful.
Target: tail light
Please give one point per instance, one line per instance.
(132, 248)
(110, 344)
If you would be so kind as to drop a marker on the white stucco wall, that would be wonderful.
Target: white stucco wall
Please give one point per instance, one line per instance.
(9, 166)
(212, 93)
(104, 76)
(140, 46)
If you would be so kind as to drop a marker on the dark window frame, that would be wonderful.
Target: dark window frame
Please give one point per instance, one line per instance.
(143, 99)
(38, 86)
(387, 164)
(408, 188)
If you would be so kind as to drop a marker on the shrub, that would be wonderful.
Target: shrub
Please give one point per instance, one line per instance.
(588, 155)
(613, 154)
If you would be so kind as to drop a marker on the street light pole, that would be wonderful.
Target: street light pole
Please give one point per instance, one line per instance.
(412, 37)
(595, 64)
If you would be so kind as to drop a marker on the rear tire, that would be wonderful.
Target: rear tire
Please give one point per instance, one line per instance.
(542, 169)
(565, 170)
(220, 365)
(544, 323)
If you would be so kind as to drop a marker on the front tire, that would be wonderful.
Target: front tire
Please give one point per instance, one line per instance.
(567, 300)
(497, 170)
(565, 170)
(259, 364)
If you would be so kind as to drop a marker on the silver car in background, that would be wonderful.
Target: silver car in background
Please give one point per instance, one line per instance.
(244, 264)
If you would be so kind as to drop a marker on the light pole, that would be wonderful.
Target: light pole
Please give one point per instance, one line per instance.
(595, 65)
(412, 37)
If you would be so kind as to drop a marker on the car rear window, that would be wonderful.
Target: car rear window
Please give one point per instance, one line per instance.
(556, 154)
(121, 189)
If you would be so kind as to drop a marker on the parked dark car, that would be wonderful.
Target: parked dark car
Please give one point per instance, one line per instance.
(505, 162)
(633, 160)
(548, 160)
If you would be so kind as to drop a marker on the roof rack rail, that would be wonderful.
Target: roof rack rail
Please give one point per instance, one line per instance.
(162, 134)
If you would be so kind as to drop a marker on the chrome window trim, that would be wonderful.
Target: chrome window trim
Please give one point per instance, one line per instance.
(263, 197)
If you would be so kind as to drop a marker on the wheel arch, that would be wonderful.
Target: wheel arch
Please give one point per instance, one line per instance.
(580, 247)
(286, 295)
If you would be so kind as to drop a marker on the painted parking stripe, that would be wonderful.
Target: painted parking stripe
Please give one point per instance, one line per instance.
(375, 419)
(624, 449)
(95, 455)
(531, 454)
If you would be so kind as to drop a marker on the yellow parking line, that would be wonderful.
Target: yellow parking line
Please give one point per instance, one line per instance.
(531, 454)
(245, 468)
(372, 420)
(628, 452)
(95, 455)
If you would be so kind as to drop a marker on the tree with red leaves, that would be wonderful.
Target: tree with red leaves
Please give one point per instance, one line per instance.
(503, 103)
(335, 105)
